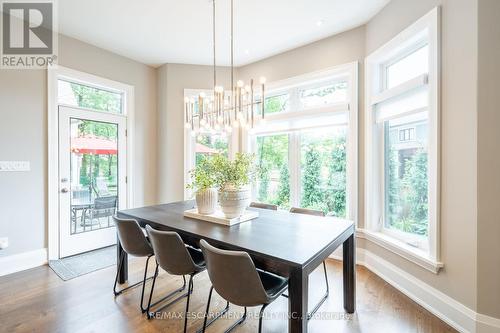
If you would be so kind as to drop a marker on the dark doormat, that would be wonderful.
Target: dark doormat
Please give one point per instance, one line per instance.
(81, 264)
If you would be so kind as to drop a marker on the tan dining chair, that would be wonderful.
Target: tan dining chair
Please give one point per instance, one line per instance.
(235, 278)
(263, 205)
(314, 212)
(173, 256)
(134, 243)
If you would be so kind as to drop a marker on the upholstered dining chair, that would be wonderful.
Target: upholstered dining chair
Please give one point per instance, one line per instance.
(173, 256)
(325, 296)
(134, 243)
(263, 205)
(235, 278)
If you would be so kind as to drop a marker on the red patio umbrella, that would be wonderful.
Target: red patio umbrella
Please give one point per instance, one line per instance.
(202, 149)
(94, 145)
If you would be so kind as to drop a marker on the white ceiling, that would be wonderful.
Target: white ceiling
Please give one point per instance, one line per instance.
(155, 32)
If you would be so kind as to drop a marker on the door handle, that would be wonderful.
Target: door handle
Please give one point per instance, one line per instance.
(64, 190)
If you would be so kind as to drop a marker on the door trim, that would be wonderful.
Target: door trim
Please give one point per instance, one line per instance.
(53, 74)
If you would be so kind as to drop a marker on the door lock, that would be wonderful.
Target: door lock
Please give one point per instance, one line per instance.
(64, 190)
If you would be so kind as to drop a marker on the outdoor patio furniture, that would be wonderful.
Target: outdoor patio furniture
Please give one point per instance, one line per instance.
(103, 207)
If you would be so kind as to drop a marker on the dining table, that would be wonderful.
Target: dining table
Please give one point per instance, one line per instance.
(287, 244)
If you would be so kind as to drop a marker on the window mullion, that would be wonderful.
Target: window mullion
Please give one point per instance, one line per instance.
(294, 167)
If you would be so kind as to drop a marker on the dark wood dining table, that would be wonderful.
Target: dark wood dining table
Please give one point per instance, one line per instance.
(287, 244)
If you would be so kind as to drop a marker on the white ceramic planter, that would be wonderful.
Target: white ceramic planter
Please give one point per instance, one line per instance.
(234, 202)
(206, 201)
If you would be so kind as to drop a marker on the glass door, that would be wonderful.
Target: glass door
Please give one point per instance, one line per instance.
(92, 169)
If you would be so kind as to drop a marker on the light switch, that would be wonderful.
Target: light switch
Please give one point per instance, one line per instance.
(14, 166)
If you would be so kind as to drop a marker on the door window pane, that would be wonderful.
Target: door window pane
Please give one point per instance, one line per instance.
(323, 170)
(409, 67)
(324, 95)
(406, 180)
(273, 185)
(94, 174)
(88, 97)
(210, 144)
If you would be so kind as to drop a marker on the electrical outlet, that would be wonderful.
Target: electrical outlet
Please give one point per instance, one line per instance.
(4, 243)
(14, 166)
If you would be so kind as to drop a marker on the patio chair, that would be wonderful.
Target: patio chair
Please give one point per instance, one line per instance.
(103, 207)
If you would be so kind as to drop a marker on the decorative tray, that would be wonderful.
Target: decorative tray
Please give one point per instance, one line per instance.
(218, 217)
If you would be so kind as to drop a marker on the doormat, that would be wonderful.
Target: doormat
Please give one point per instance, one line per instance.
(84, 263)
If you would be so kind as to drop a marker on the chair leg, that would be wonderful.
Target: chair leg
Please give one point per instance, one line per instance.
(118, 269)
(206, 322)
(148, 310)
(261, 316)
(324, 298)
(151, 292)
(239, 322)
(190, 291)
(208, 308)
(143, 309)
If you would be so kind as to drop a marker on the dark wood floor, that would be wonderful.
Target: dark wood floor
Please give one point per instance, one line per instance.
(38, 301)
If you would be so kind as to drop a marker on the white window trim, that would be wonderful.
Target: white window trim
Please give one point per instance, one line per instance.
(189, 145)
(373, 199)
(53, 75)
(349, 71)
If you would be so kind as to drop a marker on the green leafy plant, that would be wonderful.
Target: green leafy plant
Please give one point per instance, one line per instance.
(235, 173)
(203, 176)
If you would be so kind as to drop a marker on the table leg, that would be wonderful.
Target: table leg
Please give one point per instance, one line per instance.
(349, 270)
(297, 301)
(123, 276)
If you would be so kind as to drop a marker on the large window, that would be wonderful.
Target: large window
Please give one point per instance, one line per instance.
(401, 141)
(204, 144)
(273, 186)
(307, 147)
(89, 97)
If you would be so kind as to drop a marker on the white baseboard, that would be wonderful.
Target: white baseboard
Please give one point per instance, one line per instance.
(487, 324)
(452, 312)
(19, 262)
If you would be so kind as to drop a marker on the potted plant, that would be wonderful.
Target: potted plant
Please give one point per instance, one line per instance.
(204, 184)
(233, 178)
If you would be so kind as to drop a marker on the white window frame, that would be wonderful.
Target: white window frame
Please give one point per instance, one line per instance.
(190, 145)
(409, 40)
(347, 71)
(53, 75)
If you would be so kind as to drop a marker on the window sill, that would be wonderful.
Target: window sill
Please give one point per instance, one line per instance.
(414, 255)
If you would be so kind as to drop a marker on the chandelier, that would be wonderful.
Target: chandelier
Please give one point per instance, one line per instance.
(222, 111)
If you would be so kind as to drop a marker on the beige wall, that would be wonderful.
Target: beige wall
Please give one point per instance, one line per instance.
(458, 138)
(23, 136)
(488, 242)
(172, 80)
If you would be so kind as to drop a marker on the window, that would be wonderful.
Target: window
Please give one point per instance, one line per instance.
(323, 165)
(208, 144)
(204, 144)
(407, 134)
(325, 94)
(308, 153)
(277, 103)
(401, 140)
(88, 97)
(409, 67)
(273, 186)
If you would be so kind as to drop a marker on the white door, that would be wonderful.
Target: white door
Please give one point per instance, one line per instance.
(92, 178)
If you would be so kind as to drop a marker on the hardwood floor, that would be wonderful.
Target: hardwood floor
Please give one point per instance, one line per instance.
(38, 301)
